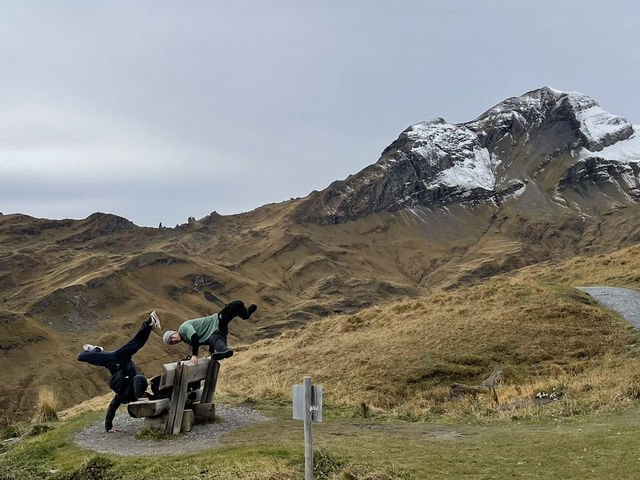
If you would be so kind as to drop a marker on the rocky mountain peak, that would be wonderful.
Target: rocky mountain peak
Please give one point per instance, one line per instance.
(595, 127)
(435, 164)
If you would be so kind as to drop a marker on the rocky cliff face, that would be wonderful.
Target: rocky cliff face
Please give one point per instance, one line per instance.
(546, 141)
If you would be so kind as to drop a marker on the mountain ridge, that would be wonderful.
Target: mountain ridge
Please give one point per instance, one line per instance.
(492, 158)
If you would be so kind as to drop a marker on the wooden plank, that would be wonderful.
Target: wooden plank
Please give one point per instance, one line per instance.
(152, 408)
(204, 411)
(188, 420)
(210, 381)
(159, 422)
(178, 398)
(196, 372)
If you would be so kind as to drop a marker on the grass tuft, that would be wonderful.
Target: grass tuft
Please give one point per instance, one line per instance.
(10, 431)
(154, 434)
(47, 406)
(97, 468)
(326, 465)
(329, 466)
(39, 430)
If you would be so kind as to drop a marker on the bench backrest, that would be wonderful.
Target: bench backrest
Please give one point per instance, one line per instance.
(196, 372)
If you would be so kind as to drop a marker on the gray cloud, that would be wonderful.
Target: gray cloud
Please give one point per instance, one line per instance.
(162, 110)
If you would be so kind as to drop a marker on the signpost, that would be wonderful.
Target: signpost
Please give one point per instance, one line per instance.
(307, 406)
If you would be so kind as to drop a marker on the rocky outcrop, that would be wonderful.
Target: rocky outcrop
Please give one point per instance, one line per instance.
(66, 309)
(598, 170)
(98, 225)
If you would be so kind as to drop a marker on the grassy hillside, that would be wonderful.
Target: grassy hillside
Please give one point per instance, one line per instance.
(394, 363)
(402, 357)
(64, 283)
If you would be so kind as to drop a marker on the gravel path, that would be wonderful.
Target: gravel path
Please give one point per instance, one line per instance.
(202, 437)
(624, 301)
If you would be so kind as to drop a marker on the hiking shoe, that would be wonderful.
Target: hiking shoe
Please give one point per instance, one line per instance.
(251, 308)
(87, 347)
(222, 354)
(154, 321)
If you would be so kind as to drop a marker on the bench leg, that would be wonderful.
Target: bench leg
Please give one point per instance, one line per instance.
(178, 399)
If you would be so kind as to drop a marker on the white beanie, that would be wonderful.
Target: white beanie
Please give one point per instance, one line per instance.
(167, 335)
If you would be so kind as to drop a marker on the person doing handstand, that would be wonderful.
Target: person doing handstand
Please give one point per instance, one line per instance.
(128, 383)
(211, 330)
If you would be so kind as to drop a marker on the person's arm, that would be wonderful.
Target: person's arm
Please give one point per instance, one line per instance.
(190, 336)
(111, 412)
(195, 344)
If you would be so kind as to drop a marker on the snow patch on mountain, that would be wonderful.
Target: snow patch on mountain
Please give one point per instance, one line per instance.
(624, 151)
(441, 143)
(476, 172)
(600, 127)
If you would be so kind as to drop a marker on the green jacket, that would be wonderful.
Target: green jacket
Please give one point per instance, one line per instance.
(197, 331)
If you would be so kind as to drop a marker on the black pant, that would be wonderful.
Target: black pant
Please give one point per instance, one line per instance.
(118, 358)
(229, 312)
(140, 385)
(218, 342)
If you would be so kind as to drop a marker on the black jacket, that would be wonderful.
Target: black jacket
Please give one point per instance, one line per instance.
(121, 382)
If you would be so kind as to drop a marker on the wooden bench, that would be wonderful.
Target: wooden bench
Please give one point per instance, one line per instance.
(178, 413)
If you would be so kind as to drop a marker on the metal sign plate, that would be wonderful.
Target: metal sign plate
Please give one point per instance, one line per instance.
(316, 402)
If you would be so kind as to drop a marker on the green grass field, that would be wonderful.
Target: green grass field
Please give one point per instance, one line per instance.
(593, 446)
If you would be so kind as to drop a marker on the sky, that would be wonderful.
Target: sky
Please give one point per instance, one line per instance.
(160, 110)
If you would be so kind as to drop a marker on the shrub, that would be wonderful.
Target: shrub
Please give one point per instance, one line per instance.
(9, 432)
(97, 468)
(39, 429)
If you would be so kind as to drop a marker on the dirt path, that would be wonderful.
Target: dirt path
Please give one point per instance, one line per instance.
(262, 431)
(202, 437)
(623, 301)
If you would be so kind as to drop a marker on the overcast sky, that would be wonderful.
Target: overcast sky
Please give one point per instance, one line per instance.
(161, 110)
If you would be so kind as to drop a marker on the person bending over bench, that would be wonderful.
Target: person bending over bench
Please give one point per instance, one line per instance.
(128, 383)
(211, 330)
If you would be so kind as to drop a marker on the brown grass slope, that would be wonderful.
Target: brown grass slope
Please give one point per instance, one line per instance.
(67, 282)
(402, 357)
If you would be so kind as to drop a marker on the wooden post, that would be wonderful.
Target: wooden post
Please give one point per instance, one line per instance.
(159, 422)
(210, 381)
(308, 442)
(187, 421)
(204, 411)
(178, 399)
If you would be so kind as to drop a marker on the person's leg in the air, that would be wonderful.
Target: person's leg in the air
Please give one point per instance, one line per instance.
(125, 352)
(236, 309)
(111, 360)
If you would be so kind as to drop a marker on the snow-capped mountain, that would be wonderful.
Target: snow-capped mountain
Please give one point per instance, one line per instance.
(550, 148)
